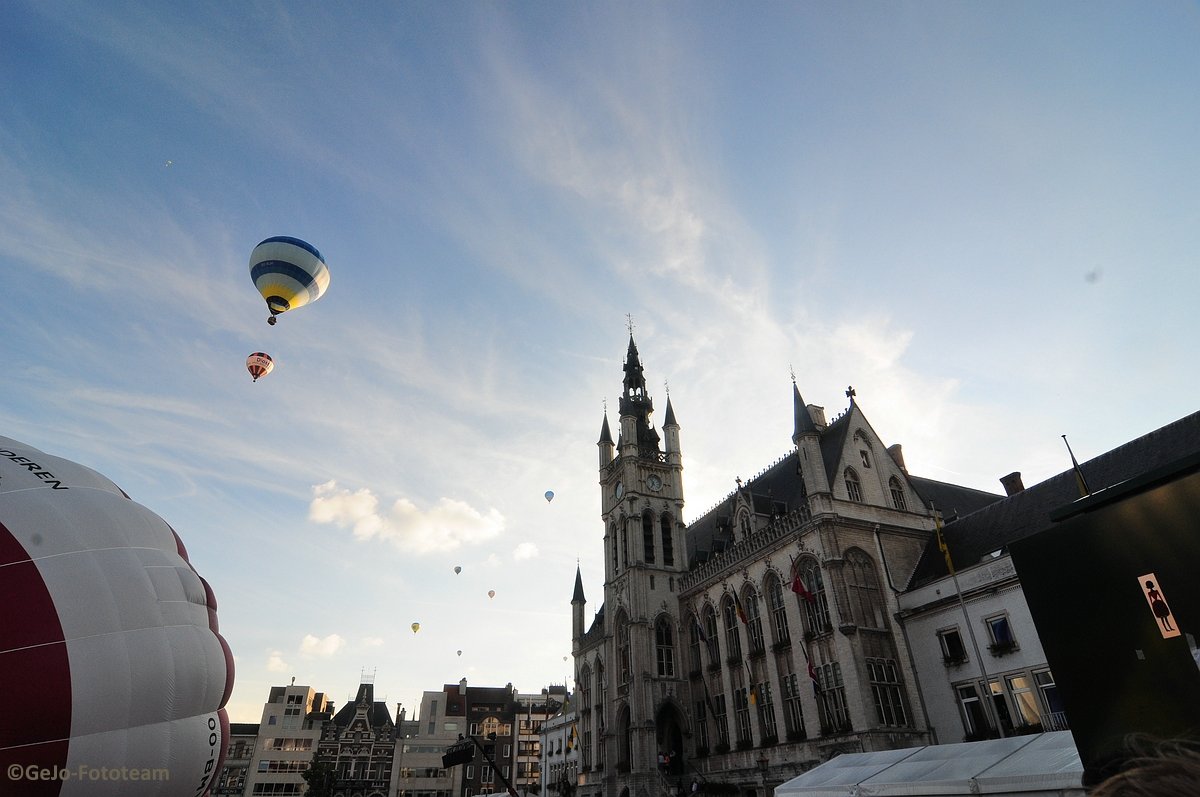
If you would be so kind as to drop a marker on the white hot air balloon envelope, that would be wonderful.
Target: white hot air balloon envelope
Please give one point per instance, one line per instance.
(109, 647)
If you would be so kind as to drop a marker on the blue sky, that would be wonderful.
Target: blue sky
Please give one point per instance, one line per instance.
(984, 216)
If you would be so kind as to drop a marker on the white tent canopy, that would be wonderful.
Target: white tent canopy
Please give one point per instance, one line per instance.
(1020, 766)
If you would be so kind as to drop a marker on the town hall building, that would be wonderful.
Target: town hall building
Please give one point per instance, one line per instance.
(734, 652)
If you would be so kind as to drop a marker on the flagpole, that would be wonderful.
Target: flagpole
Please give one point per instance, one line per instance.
(987, 680)
(818, 693)
(1080, 482)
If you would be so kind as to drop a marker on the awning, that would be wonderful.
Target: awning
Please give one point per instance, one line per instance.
(1019, 766)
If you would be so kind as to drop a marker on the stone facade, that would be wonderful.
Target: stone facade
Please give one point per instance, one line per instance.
(761, 638)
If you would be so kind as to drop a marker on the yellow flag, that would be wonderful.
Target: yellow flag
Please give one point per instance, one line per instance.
(941, 541)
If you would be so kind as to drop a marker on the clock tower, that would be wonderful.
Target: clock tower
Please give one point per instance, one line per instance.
(641, 487)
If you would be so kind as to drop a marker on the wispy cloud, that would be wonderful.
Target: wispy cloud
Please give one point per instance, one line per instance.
(447, 525)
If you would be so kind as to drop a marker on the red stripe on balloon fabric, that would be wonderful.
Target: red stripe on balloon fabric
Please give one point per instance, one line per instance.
(34, 669)
(40, 769)
(10, 550)
(228, 671)
(179, 546)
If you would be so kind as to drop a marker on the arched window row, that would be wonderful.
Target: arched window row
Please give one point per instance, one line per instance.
(657, 536)
(714, 627)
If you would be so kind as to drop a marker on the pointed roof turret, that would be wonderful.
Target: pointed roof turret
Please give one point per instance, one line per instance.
(669, 415)
(605, 434)
(635, 380)
(802, 418)
(578, 596)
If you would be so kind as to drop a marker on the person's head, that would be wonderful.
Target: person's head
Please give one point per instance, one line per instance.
(1155, 769)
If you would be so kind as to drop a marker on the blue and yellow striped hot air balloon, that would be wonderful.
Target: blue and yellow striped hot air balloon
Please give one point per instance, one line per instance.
(288, 272)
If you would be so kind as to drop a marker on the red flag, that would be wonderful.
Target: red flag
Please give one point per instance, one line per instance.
(801, 590)
(816, 682)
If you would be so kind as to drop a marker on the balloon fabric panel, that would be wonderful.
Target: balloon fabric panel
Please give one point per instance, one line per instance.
(126, 668)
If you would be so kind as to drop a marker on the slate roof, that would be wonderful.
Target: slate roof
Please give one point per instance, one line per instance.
(777, 490)
(952, 500)
(991, 528)
(378, 715)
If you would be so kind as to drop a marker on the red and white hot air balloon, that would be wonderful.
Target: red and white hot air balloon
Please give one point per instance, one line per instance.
(259, 364)
(109, 649)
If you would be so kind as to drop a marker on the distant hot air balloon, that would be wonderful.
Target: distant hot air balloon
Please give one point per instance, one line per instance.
(288, 272)
(457, 569)
(109, 642)
(491, 593)
(460, 653)
(549, 496)
(259, 364)
(416, 627)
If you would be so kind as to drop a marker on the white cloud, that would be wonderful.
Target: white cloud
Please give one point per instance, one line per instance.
(275, 662)
(373, 641)
(526, 550)
(445, 526)
(312, 646)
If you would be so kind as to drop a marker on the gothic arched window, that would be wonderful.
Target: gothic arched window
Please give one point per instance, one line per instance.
(862, 587)
(754, 630)
(733, 637)
(648, 536)
(668, 547)
(694, 647)
(897, 491)
(664, 648)
(616, 561)
(624, 664)
(710, 631)
(853, 488)
(779, 624)
(816, 602)
(585, 687)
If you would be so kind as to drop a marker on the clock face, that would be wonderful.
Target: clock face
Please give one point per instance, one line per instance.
(654, 482)
(619, 490)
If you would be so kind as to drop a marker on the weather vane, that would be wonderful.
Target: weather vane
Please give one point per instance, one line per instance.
(667, 387)
(792, 371)
(629, 322)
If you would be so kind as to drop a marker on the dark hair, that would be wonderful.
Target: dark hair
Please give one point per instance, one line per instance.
(1155, 768)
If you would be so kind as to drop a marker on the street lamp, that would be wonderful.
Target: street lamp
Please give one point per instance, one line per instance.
(763, 763)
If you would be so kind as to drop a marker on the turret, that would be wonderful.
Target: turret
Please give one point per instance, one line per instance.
(671, 429)
(806, 436)
(606, 443)
(577, 604)
(637, 435)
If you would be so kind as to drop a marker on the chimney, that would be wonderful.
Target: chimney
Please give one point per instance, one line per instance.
(1012, 483)
(818, 416)
(897, 453)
